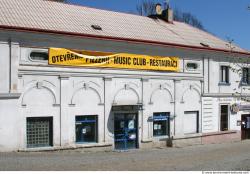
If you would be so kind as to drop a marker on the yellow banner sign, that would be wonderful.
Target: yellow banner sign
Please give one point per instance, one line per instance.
(61, 56)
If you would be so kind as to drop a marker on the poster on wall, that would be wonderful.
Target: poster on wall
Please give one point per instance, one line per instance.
(131, 124)
(66, 57)
(122, 124)
(155, 126)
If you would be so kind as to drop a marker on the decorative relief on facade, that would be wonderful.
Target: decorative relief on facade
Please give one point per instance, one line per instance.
(161, 87)
(39, 85)
(191, 88)
(128, 87)
(86, 86)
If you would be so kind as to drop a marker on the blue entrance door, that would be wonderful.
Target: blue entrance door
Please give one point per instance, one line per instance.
(125, 131)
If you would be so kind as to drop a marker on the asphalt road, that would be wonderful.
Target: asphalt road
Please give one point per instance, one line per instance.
(231, 156)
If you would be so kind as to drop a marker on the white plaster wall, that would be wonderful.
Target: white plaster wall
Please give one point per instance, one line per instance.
(5, 68)
(40, 98)
(232, 117)
(9, 125)
(123, 91)
(188, 99)
(211, 121)
(85, 97)
(234, 77)
(210, 114)
(211, 105)
(158, 97)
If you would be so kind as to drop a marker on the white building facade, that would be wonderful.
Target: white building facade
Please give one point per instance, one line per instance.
(46, 106)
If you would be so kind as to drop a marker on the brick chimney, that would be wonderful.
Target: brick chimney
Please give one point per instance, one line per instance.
(167, 14)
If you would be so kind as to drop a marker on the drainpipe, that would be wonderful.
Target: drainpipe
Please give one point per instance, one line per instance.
(60, 117)
(201, 114)
(10, 55)
(141, 111)
(174, 104)
(104, 110)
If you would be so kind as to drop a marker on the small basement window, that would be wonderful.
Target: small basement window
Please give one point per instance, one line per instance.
(39, 56)
(192, 66)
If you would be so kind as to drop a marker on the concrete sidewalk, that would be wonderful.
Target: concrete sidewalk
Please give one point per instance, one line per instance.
(230, 156)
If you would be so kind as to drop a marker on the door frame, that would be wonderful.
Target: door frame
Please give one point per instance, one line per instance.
(137, 126)
(228, 117)
(244, 131)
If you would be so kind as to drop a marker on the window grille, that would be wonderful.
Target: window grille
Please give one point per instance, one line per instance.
(39, 132)
(245, 76)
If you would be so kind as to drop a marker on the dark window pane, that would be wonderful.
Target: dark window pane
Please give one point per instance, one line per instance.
(161, 124)
(224, 74)
(39, 56)
(245, 75)
(224, 118)
(248, 76)
(86, 128)
(192, 66)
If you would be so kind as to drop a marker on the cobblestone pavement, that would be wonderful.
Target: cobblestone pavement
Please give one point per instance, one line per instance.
(231, 156)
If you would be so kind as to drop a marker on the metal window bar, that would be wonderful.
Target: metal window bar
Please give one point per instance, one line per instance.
(38, 132)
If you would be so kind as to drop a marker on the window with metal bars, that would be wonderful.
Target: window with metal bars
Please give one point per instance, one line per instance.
(245, 76)
(39, 132)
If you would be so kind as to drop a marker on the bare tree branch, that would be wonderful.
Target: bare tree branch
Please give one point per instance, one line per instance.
(146, 8)
(187, 18)
(239, 66)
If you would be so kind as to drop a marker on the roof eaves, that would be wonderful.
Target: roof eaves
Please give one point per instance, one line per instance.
(99, 37)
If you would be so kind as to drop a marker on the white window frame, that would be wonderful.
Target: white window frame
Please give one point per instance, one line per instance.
(220, 75)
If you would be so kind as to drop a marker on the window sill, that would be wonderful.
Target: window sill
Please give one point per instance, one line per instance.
(245, 84)
(10, 95)
(161, 138)
(89, 145)
(224, 84)
(83, 143)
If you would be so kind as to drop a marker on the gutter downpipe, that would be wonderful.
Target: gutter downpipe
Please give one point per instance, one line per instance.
(10, 55)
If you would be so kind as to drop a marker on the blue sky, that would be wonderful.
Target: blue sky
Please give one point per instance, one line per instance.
(223, 18)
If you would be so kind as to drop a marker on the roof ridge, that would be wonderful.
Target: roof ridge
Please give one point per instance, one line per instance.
(106, 10)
